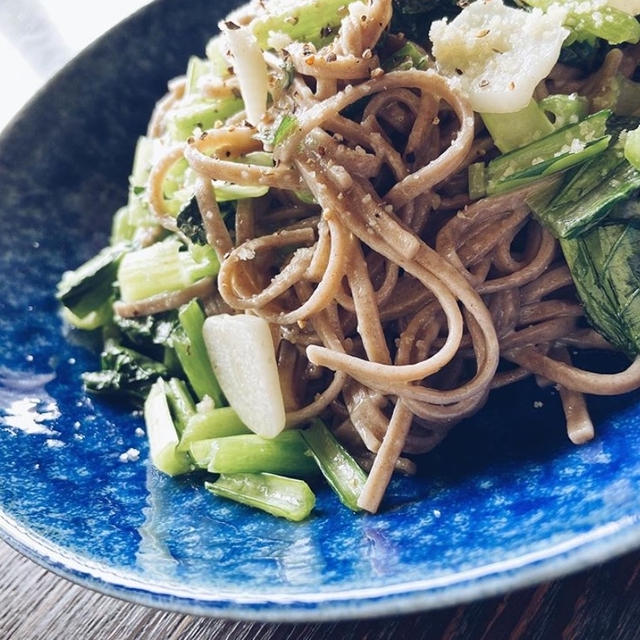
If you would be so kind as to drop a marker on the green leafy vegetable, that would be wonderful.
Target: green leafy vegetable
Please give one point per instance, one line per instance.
(556, 152)
(162, 433)
(286, 454)
(515, 130)
(125, 373)
(189, 221)
(86, 289)
(284, 497)
(342, 472)
(191, 351)
(301, 20)
(180, 403)
(586, 23)
(605, 265)
(216, 423)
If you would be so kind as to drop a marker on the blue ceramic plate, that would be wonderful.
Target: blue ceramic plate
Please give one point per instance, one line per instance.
(504, 502)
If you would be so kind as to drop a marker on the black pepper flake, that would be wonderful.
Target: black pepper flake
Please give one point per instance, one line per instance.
(326, 31)
(232, 26)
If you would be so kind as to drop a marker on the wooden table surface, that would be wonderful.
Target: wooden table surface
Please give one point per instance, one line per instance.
(602, 603)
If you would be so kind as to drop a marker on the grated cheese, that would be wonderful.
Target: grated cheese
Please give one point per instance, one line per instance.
(497, 54)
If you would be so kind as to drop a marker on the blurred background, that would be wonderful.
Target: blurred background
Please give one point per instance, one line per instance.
(37, 37)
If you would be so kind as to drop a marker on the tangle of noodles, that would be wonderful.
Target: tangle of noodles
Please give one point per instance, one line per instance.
(396, 302)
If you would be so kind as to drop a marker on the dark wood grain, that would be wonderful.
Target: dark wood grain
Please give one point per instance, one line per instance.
(602, 603)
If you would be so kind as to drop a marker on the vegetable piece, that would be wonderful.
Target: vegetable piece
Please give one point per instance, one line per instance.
(87, 288)
(161, 431)
(125, 373)
(514, 130)
(287, 454)
(632, 148)
(216, 423)
(589, 195)
(189, 222)
(477, 180)
(284, 497)
(250, 70)
(566, 109)
(92, 320)
(159, 268)
(342, 472)
(606, 270)
(192, 353)
(301, 20)
(484, 53)
(148, 332)
(241, 352)
(587, 19)
(196, 68)
(203, 114)
(556, 152)
(214, 51)
(180, 403)
(586, 56)
(409, 56)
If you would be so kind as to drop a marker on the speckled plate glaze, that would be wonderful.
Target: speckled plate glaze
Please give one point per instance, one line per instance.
(504, 502)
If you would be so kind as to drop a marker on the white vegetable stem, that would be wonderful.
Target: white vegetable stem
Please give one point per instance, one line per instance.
(497, 54)
(243, 358)
(251, 71)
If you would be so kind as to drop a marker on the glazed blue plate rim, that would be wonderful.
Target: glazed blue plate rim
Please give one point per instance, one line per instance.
(580, 552)
(575, 554)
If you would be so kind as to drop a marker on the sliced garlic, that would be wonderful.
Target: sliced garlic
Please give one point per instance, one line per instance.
(243, 358)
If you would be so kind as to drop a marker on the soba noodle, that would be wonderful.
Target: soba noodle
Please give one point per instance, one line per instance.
(396, 303)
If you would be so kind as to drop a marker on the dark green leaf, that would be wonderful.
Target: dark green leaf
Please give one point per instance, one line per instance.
(189, 221)
(125, 373)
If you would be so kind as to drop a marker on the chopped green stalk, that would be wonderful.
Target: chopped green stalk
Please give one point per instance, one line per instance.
(632, 147)
(217, 423)
(589, 195)
(287, 454)
(159, 268)
(192, 353)
(142, 162)
(93, 320)
(86, 289)
(122, 229)
(196, 69)
(284, 497)
(225, 192)
(219, 64)
(180, 403)
(286, 127)
(409, 56)
(585, 22)
(124, 372)
(553, 153)
(342, 472)
(566, 109)
(161, 431)
(477, 180)
(605, 268)
(148, 332)
(514, 130)
(204, 114)
(315, 21)
(200, 452)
